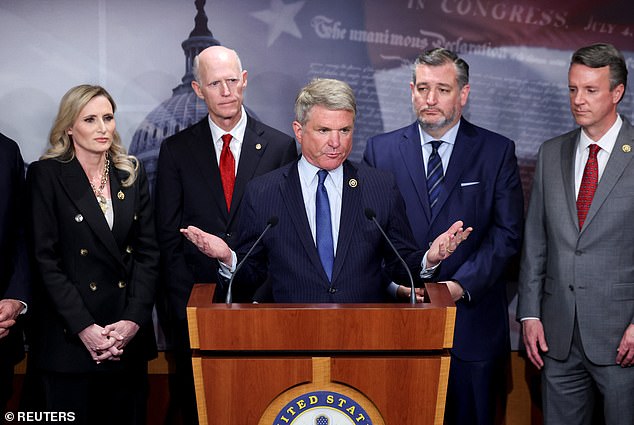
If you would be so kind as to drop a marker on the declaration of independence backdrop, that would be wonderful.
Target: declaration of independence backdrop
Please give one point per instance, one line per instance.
(518, 51)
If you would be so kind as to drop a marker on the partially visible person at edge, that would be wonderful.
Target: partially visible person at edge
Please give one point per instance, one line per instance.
(576, 288)
(93, 242)
(14, 270)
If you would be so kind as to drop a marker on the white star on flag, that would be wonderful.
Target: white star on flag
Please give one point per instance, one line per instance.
(280, 18)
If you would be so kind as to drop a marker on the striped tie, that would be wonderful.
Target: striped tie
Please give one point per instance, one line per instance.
(435, 175)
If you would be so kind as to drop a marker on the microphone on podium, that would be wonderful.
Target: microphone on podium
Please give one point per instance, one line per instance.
(371, 215)
(272, 221)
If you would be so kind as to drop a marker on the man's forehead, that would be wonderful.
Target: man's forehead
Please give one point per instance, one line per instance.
(440, 74)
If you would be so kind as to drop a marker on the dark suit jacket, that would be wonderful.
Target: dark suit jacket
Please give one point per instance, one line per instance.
(587, 273)
(288, 253)
(189, 192)
(481, 187)
(14, 271)
(87, 273)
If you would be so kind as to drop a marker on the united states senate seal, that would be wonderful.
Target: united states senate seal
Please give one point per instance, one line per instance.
(322, 408)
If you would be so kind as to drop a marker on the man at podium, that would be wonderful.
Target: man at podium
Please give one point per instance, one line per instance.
(326, 216)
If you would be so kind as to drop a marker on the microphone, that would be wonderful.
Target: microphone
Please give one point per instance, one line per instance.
(371, 215)
(272, 221)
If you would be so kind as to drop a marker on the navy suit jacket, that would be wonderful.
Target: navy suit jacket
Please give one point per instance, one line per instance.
(189, 192)
(481, 187)
(14, 269)
(287, 253)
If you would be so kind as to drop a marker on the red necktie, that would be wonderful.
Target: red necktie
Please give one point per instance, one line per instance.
(588, 186)
(227, 169)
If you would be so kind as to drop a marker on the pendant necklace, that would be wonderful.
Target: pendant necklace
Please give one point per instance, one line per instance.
(103, 202)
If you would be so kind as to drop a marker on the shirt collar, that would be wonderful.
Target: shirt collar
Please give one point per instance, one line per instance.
(448, 137)
(308, 173)
(236, 132)
(606, 142)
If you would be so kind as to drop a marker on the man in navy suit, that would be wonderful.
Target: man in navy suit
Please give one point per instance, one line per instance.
(324, 248)
(476, 178)
(14, 276)
(192, 189)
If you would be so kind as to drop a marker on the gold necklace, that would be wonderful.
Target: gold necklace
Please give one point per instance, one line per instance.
(103, 202)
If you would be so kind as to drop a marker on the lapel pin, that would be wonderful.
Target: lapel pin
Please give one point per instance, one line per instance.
(626, 148)
(258, 146)
(79, 218)
(352, 183)
(121, 195)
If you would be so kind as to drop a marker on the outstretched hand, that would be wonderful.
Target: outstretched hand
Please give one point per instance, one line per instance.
(210, 245)
(446, 243)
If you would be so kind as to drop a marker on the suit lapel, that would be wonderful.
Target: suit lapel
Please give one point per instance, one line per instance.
(291, 191)
(617, 163)
(123, 205)
(467, 144)
(568, 147)
(412, 156)
(253, 148)
(204, 158)
(77, 186)
(350, 208)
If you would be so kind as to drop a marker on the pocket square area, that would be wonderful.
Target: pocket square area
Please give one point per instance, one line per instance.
(465, 184)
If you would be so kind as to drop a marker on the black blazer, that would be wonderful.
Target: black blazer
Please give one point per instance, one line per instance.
(14, 271)
(87, 273)
(189, 192)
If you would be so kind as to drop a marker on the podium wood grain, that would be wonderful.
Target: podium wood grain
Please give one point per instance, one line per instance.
(246, 356)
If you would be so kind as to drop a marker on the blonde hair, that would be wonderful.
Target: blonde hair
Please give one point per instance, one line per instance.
(61, 143)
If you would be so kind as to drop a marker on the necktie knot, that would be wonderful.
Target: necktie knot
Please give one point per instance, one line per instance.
(594, 150)
(435, 144)
(226, 139)
(322, 174)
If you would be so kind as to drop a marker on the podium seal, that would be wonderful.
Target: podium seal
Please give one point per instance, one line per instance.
(322, 408)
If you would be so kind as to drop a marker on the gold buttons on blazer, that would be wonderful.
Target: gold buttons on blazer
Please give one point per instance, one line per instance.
(122, 284)
(92, 286)
(121, 195)
(128, 249)
(83, 252)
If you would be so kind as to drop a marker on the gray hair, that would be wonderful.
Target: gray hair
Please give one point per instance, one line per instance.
(332, 94)
(441, 56)
(602, 54)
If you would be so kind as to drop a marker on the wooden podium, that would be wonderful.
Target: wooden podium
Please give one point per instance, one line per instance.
(258, 364)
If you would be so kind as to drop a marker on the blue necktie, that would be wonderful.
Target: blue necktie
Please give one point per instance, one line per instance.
(324, 225)
(435, 176)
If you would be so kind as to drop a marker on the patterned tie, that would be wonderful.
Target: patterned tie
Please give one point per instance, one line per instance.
(435, 175)
(227, 169)
(324, 225)
(588, 186)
